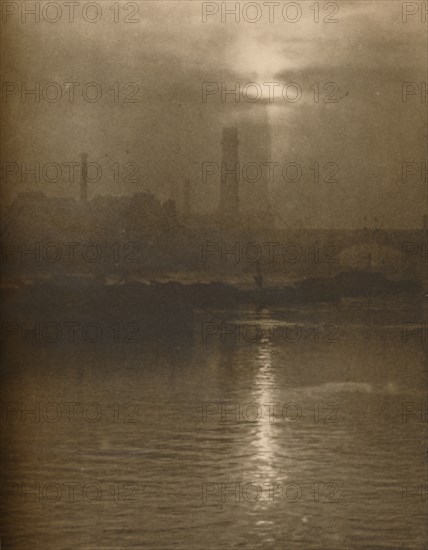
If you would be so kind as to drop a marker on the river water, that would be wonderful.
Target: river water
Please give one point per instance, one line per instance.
(290, 429)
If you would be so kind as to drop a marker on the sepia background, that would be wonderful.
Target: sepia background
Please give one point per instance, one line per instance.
(214, 314)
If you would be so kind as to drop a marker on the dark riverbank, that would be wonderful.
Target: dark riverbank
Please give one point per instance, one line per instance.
(151, 295)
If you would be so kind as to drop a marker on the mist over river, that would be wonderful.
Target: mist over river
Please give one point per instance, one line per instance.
(272, 428)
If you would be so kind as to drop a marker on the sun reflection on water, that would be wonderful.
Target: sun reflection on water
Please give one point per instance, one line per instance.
(266, 445)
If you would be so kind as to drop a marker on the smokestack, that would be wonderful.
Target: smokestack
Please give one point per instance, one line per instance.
(254, 133)
(84, 177)
(229, 190)
(186, 197)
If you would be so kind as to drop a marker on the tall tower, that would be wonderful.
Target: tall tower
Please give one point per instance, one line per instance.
(230, 171)
(84, 177)
(255, 153)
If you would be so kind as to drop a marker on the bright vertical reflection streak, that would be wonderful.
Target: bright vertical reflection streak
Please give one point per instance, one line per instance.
(265, 383)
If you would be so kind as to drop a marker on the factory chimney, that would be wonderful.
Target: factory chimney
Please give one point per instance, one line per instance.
(84, 177)
(230, 172)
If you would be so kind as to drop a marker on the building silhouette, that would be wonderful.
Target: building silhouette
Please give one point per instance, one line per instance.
(254, 155)
(186, 198)
(229, 185)
(246, 172)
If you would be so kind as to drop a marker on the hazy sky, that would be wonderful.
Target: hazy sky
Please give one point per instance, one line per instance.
(169, 53)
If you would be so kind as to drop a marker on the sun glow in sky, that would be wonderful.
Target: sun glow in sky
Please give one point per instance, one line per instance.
(256, 59)
(169, 132)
